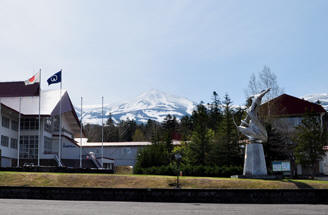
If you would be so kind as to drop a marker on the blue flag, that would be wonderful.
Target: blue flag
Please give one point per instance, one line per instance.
(56, 78)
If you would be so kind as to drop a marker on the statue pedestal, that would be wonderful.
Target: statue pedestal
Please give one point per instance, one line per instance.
(254, 164)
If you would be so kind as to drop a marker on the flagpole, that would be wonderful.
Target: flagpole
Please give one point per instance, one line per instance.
(102, 132)
(60, 121)
(19, 130)
(81, 135)
(39, 121)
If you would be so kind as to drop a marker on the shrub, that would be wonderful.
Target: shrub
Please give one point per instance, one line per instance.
(153, 155)
(188, 170)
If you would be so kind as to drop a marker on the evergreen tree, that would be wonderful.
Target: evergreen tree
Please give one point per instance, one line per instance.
(202, 137)
(227, 150)
(138, 135)
(153, 131)
(215, 113)
(278, 146)
(93, 132)
(126, 129)
(152, 155)
(170, 126)
(110, 130)
(110, 121)
(186, 128)
(200, 147)
(310, 137)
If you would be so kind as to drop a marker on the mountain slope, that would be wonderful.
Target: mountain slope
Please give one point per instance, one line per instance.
(322, 98)
(154, 105)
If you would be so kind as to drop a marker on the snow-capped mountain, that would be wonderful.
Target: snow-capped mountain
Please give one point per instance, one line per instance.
(154, 105)
(322, 98)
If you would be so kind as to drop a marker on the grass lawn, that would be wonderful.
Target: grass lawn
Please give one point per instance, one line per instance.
(147, 181)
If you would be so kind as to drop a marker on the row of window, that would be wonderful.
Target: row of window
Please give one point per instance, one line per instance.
(26, 123)
(5, 142)
(29, 145)
(30, 124)
(49, 146)
(6, 123)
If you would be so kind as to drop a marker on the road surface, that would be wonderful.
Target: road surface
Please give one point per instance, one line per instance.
(46, 207)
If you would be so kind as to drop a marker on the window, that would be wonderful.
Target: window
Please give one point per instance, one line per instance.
(108, 166)
(49, 146)
(14, 125)
(56, 123)
(5, 122)
(29, 147)
(48, 124)
(13, 143)
(30, 124)
(4, 140)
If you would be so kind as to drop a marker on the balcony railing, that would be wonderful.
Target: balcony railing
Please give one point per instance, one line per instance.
(64, 133)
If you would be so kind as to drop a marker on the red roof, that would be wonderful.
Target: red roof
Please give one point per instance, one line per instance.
(286, 105)
(18, 89)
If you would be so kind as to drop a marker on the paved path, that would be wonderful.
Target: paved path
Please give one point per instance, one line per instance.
(46, 207)
(325, 178)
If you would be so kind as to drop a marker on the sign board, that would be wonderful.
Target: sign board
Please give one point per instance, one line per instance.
(280, 166)
(68, 145)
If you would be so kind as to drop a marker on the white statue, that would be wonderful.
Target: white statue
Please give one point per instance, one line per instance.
(251, 125)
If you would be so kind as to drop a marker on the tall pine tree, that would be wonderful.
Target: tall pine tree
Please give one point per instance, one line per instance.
(215, 113)
(202, 137)
(170, 126)
(227, 151)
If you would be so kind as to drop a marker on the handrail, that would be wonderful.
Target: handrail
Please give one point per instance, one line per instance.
(60, 164)
(94, 159)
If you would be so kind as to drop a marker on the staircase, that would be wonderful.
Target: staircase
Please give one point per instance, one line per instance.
(94, 160)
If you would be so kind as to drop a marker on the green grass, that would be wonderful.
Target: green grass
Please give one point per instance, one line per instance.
(147, 181)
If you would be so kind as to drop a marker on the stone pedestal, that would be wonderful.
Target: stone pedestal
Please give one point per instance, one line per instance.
(254, 164)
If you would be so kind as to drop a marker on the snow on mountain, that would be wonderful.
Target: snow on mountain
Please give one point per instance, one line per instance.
(154, 105)
(322, 98)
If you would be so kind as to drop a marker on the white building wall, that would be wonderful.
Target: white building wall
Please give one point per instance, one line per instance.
(36, 133)
(7, 151)
(70, 150)
(287, 124)
(323, 165)
(44, 155)
(122, 155)
(6, 162)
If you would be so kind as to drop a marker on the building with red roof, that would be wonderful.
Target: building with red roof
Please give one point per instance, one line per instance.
(21, 143)
(289, 106)
(285, 112)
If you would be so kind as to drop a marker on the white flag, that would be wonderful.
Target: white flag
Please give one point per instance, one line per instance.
(34, 79)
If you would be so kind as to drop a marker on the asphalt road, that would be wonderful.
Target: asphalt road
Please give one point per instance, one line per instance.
(46, 207)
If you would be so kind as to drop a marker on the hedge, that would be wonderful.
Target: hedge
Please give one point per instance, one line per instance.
(188, 170)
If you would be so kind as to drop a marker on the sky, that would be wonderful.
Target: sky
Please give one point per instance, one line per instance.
(120, 49)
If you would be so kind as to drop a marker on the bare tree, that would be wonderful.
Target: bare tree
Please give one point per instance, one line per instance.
(252, 86)
(266, 79)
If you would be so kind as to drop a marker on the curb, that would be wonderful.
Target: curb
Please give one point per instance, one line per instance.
(258, 196)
